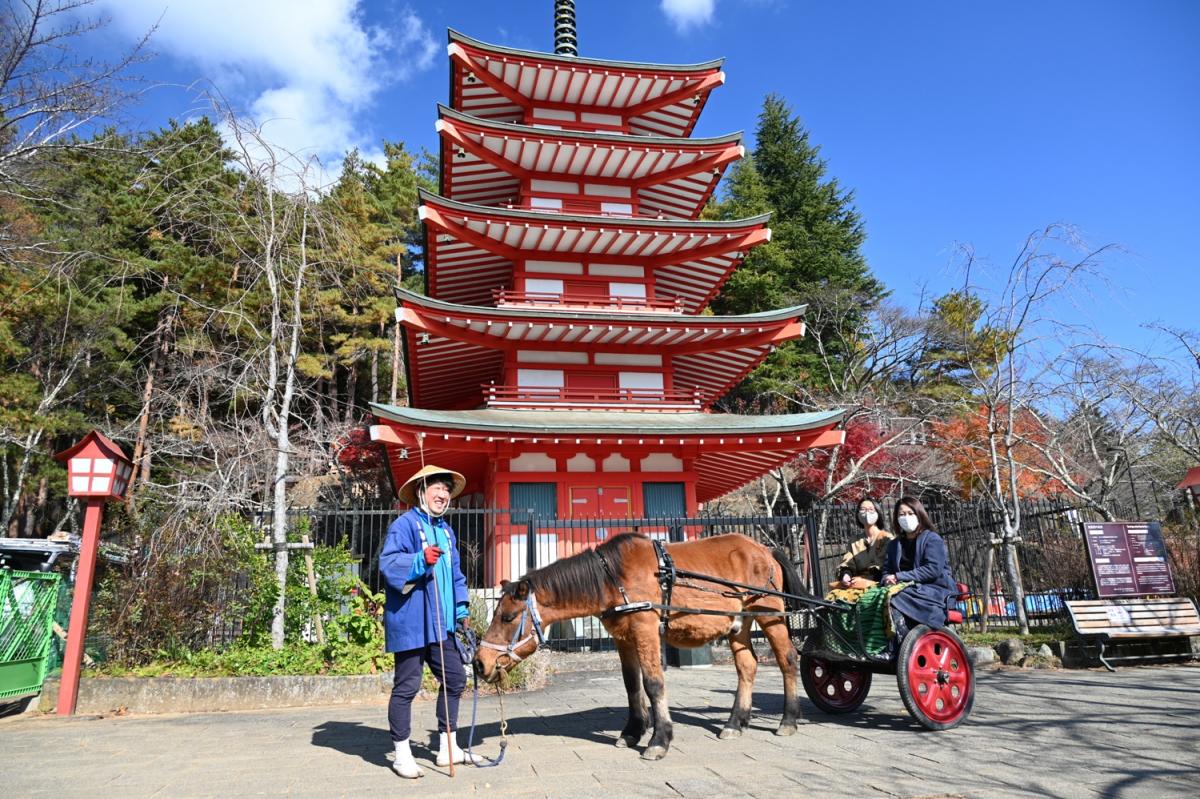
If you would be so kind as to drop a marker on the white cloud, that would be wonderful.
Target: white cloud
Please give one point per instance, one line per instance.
(303, 70)
(687, 14)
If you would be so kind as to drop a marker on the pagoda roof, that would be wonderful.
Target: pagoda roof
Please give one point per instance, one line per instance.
(486, 161)
(453, 350)
(501, 83)
(471, 249)
(729, 450)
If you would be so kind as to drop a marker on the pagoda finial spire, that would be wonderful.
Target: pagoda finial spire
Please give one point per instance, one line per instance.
(565, 40)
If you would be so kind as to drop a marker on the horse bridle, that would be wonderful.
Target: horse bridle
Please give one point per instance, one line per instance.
(530, 612)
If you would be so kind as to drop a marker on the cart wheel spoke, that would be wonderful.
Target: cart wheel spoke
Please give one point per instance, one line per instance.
(935, 678)
(834, 687)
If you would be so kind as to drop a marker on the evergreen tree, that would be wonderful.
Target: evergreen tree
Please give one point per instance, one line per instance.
(814, 253)
(960, 350)
(379, 234)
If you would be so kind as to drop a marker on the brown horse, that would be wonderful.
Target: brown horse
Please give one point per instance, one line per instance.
(624, 572)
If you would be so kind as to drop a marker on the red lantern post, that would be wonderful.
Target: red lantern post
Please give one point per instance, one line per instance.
(98, 471)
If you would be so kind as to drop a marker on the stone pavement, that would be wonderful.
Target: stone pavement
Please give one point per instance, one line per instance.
(1032, 733)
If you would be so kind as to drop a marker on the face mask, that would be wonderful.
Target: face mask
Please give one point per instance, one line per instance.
(868, 516)
(430, 512)
(908, 523)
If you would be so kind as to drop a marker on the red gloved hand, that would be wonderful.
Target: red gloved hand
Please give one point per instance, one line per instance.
(432, 554)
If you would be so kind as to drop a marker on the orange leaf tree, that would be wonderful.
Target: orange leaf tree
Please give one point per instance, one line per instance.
(968, 443)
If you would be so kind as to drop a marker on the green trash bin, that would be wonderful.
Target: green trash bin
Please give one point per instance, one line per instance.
(28, 601)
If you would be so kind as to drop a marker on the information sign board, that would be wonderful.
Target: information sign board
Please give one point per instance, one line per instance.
(1128, 558)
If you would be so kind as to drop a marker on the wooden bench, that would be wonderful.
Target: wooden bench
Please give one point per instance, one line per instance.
(1131, 619)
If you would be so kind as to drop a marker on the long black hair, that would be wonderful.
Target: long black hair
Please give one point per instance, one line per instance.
(923, 519)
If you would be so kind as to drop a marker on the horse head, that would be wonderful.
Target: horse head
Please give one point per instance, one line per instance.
(514, 634)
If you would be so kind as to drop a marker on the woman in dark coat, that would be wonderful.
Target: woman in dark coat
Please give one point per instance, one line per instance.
(917, 556)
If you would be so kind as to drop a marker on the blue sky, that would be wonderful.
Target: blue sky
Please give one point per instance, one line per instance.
(953, 122)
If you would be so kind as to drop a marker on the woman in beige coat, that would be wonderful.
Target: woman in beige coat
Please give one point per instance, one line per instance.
(862, 566)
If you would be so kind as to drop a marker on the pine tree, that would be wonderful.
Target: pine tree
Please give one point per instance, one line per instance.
(815, 248)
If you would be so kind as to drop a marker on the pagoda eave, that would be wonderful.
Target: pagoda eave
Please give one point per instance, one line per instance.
(727, 451)
(503, 83)
(453, 352)
(513, 216)
(454, 36)
(486, 162)
(669, 335)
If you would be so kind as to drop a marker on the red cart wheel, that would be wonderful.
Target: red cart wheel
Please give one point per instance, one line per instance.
(834, 687)
(936, 680)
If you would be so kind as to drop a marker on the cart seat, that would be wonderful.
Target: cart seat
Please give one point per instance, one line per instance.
(954, 616)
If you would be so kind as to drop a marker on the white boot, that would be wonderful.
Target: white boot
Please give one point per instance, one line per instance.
(448, 744)
(404, 765)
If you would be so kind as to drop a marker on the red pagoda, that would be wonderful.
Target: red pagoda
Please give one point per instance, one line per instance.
(562, 358)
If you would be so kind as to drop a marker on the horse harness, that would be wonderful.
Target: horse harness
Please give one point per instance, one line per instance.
(529, 612)
(670, 576)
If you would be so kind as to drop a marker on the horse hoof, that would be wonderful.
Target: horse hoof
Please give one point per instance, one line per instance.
(654, 753)
(625, 743)
(786, 729)
(729, 732)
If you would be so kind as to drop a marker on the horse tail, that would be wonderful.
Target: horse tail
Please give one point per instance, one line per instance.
(792, 584)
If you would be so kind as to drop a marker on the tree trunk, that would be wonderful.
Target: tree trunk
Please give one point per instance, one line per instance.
(397, 356)
(283, 442)
(351, 390)
(279, 533)
(1013, 567)
(13, 498)
(331, 386)
(987, 588)
(141, 457)
(36, 507)
(374, 375)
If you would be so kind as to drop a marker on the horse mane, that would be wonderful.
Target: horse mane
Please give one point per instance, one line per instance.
(581, 577)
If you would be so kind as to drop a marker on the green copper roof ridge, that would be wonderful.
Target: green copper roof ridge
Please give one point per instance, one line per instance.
(599, 221)
(456, 36)
(665, 320)
(607, 419)
(453, 113)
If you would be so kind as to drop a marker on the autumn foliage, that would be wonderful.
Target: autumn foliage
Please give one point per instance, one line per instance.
(964, 440)
(879, 473)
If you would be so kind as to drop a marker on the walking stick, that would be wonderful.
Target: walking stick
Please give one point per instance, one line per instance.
(437, 599)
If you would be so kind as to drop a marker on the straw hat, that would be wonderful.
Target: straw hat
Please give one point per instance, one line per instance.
(408, 492)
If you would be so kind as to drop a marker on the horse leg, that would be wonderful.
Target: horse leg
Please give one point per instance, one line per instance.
(649, 650)
(776, 630)
(631, 673)
(747, 666)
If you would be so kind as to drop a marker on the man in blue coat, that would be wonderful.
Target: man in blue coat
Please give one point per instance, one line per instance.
(426, 598)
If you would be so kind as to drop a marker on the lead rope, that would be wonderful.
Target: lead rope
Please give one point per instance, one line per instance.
(471, 646)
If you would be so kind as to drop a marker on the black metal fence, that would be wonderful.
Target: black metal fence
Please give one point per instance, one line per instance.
(501, 544)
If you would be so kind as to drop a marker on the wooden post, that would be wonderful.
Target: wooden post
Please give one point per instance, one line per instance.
(312, 587)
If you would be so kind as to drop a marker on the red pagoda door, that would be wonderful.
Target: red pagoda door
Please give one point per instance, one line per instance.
(600, 502)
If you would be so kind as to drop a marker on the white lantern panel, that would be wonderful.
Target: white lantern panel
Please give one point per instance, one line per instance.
(102, 466)
(100, 485)
(79, 483)
(81, 465)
